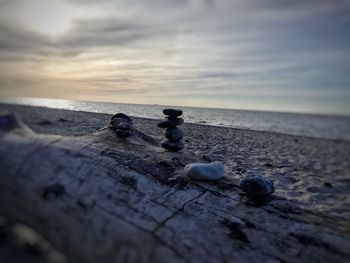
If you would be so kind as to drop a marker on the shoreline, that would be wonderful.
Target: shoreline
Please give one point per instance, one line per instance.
(19, 106)
(316, 114)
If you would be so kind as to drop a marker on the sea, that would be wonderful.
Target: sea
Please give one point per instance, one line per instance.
(311, 125)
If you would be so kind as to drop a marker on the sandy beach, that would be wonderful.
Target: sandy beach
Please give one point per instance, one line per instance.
(310, 175)
(197, 131)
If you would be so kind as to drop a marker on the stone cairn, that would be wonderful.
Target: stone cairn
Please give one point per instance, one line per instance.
(173, 134)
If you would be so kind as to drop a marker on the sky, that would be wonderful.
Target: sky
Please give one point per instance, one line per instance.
(291, 55)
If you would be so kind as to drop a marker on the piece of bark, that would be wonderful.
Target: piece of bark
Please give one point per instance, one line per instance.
(101, 198)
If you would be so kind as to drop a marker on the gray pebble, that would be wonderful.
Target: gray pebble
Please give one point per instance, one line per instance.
(168, 123)
(174, 134)
(173, 146)
(204, 171)
(172, 112)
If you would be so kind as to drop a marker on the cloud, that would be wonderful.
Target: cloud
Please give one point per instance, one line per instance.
(106, 33)
(188, 46)
(16, 39)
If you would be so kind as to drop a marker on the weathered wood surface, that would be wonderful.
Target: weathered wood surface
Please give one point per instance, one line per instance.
(100, 198)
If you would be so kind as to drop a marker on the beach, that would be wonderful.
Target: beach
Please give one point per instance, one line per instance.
(311, 175)
(324, 126)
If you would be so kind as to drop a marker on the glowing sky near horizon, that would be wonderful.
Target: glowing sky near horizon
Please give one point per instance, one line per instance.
(262, 55)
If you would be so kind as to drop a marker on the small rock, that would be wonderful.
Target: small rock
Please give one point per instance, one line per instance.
(174, 134)
(119, 118)
(172, 112)
(257, 186)
(170, 123)
(121, 124)
(204, 171)
(173, 146)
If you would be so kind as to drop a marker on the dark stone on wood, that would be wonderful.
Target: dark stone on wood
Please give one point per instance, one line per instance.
(119, 118)
(170, 123)
(257, 186)
(121, 124)
(172, 112)
(173, 146)
(174, 134)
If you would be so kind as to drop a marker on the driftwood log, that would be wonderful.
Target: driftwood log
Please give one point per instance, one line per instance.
(100, 198)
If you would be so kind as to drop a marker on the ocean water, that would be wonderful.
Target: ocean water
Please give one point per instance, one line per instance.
(312, 125)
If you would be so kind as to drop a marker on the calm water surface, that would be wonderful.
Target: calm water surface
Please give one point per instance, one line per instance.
(330, 127)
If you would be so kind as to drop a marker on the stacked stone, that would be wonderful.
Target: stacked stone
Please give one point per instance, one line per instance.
(173, 134)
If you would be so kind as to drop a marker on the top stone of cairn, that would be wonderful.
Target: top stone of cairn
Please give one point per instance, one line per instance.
(172, 112)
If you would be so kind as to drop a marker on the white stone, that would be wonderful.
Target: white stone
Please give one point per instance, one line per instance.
(204, 171)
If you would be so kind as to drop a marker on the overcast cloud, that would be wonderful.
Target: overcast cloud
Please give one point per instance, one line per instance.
(267, 55)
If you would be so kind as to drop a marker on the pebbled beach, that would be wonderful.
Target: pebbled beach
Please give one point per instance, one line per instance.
(311, 176)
